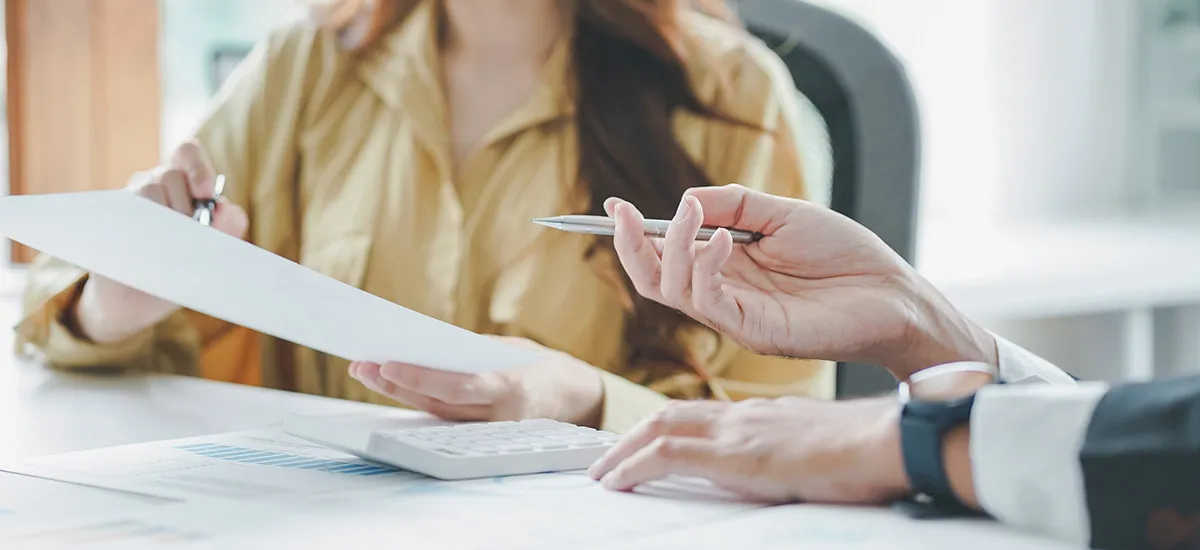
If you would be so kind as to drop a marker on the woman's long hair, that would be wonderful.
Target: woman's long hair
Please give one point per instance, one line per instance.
(630, 80)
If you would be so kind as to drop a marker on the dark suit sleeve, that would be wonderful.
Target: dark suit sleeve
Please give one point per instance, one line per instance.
(1112, 468)
(1141, 466)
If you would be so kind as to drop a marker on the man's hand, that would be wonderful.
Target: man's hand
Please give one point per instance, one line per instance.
(816, 286)
(783, 450)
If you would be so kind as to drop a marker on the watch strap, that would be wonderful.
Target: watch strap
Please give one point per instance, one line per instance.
(923, 427)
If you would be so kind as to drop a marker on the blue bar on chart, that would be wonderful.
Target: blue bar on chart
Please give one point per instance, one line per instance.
(260, 457)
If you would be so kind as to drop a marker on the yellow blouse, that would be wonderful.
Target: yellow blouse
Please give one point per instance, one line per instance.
(343, 163)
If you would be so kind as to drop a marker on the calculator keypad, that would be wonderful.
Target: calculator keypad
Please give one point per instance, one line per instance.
(493, 438)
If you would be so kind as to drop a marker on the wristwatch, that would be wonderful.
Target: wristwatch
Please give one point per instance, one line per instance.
(923, 426)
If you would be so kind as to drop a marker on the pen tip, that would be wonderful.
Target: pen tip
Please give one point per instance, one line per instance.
(548, 222)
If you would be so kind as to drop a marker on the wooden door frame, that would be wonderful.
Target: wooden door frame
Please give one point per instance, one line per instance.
(83, 95)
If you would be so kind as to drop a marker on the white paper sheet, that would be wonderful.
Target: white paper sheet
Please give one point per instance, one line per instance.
(180, 525)
(237, 467)
(235, 498)
(158, 251)
(36, 512)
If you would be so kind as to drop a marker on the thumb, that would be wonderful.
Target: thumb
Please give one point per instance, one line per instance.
(231, 219)
(738, 207)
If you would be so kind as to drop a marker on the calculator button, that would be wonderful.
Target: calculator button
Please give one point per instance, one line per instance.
(514, 447)
(543, 432)
(588, 443)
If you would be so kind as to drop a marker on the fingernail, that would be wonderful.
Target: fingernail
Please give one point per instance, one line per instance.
(609, 482)
(684, 208)
(390, 371)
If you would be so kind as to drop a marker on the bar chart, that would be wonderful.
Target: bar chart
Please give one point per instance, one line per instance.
(279, 459)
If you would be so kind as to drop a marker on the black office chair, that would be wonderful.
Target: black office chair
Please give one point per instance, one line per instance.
(862, 93)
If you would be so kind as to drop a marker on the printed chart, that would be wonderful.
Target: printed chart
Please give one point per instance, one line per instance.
(245, 455)
(239, 467)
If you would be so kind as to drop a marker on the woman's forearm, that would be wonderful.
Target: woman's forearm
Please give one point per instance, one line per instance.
(101, 319)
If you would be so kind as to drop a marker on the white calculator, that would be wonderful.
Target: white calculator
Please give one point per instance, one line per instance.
(457, 451)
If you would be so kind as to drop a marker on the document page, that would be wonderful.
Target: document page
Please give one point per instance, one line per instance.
(257, 465)
(156, 250)
(282, 492)
(34, 511)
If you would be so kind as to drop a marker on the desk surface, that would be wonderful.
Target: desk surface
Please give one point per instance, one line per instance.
(44, 412)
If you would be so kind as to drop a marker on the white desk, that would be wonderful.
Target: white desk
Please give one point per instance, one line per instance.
(44, 411)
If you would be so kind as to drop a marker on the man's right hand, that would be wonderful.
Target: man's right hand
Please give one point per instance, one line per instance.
(816, 286)
(108, 311)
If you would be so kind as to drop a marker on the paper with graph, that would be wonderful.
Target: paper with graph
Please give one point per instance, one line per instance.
(265, 488)
(239, 466)
(154, 249)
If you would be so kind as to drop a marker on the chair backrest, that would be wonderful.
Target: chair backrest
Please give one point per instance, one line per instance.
(861, 91)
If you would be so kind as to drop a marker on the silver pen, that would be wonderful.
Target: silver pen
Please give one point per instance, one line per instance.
(601, 225)
(205, 207)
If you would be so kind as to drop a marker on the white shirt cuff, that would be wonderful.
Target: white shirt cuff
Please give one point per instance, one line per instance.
(1025, 443)
(1020, 366)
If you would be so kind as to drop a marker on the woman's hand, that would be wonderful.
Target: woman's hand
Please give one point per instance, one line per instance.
(560, 387)
(108, 311)
(782, 450)
(816, 286)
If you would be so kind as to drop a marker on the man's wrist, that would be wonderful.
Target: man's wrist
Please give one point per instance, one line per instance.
(935, 440)
(956, 457)
(937, 334)
(883, 455)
